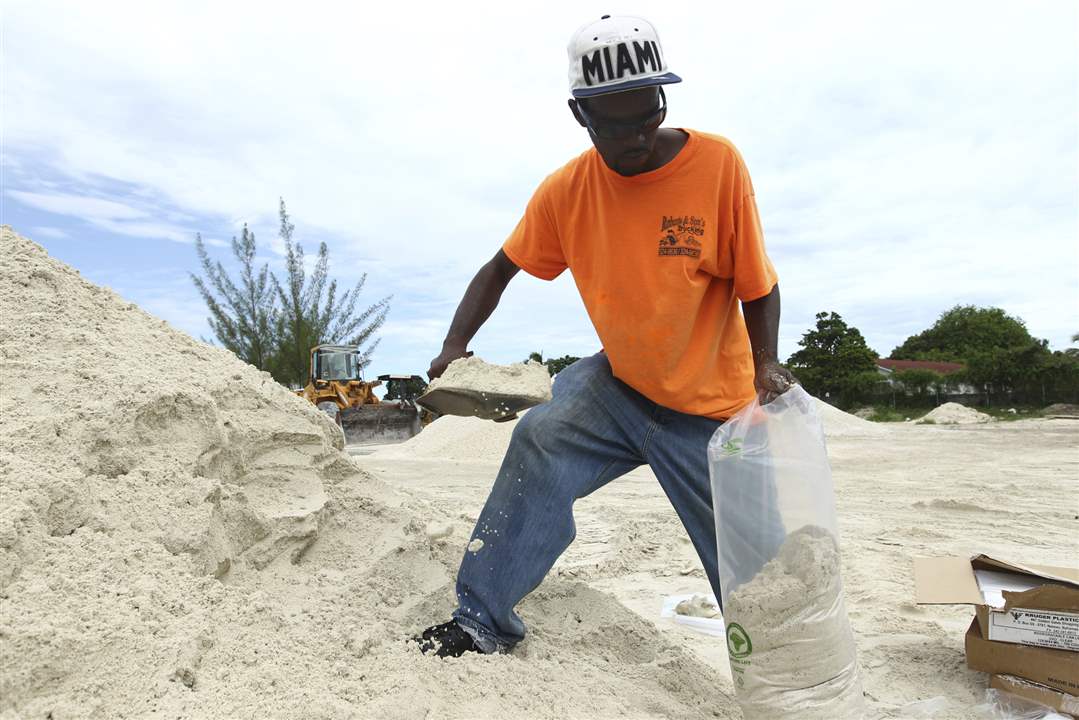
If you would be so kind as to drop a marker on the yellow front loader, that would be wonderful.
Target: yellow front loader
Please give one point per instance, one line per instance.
(336, 386)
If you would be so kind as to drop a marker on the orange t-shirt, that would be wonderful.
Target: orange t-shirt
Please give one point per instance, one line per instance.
(661, 260)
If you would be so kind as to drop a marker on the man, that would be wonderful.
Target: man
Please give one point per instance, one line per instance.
(659, 227)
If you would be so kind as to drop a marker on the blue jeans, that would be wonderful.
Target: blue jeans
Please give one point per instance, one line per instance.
(595, 429)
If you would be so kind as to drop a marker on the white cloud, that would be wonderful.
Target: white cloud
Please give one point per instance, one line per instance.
(48, 232)
(90, 208)
(111, 215)
(148, 230)
(906, 157)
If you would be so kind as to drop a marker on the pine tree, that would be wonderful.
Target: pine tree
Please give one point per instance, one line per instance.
(312, 313)
(243, 316)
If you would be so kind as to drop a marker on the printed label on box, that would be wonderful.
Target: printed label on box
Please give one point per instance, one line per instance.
(1046, 628)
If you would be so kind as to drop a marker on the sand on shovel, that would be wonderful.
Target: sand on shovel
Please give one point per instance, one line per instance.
(530, 379)
(471, 387)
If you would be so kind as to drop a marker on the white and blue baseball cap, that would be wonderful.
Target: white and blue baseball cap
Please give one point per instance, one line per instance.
(614, 54)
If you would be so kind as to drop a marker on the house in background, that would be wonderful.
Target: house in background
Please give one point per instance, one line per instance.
(888, 367)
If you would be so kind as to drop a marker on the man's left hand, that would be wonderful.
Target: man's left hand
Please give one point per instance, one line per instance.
(772, 380)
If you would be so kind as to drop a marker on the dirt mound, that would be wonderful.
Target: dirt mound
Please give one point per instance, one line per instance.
(461, 439)
(842, 424)
(180, 536)
(141, 467)
(1061, 410)
(951, 413)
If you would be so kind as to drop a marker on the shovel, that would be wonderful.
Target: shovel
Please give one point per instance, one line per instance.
(474, 403)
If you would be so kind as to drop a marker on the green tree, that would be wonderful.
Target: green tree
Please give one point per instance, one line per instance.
(243, 315)
(554, 365)
(835, 362)
(963, 330)
(557, 365)
(311, 312)
(1000, 355)
(1058, 378)
(406, 389)
(273, 324)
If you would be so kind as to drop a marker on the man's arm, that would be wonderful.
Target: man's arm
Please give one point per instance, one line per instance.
(762, 321)
(480, 300)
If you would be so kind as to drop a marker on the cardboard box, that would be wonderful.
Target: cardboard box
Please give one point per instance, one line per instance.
(1015, 603)
(1060, 701)
(1025, 624)
(1059, 669)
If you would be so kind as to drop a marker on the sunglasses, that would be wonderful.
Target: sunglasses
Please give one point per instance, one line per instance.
(624, 131)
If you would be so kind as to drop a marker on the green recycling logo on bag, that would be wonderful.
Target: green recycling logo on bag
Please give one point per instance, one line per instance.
(738, 643)
(732, 447)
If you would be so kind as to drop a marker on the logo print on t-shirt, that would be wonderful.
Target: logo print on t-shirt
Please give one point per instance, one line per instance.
(681, 235)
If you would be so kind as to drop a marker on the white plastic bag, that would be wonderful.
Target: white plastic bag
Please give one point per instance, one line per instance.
(1001, 705)
(790, 644)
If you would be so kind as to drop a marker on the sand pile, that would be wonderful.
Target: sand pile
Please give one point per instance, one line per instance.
(841, 424)
(1061, 410)
(698, 606)
(951, 413)
(467, 439)
(180, 536)
(142, 471)
(456, 438)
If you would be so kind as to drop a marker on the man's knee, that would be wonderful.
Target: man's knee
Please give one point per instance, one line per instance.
(586, 373)
(533, 430)
(547, 425)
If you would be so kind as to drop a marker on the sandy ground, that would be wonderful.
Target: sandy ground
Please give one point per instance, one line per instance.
(1007, 488)
(182, 537)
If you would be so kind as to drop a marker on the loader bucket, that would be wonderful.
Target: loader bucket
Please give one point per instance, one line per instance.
(384, 422)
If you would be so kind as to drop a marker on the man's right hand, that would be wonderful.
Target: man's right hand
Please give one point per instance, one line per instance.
(448, 355)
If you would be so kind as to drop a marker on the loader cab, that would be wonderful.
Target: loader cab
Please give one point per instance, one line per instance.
(335, 363)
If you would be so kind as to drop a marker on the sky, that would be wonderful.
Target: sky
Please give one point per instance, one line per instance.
(907, 157)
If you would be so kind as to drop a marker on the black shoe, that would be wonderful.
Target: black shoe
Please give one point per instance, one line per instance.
(446, 640)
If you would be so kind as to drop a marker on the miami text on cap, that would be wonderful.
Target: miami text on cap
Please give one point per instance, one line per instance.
(615, 54)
